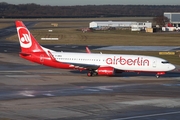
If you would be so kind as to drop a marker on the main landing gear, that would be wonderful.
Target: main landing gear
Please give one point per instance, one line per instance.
(92, 73)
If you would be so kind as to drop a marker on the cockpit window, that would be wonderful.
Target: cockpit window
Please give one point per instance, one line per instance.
(164, 62)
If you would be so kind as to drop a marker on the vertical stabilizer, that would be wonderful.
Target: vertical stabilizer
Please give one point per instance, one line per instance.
(27, 42)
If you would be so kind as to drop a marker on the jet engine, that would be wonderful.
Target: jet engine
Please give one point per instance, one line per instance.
(105, 71)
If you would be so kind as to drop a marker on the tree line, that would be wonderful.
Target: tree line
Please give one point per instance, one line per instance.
(84, 11)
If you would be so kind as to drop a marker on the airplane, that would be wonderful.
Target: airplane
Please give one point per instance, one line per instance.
(94, 63)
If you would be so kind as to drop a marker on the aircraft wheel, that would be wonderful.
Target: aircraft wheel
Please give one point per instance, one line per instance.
(157, 76)
(89, 74)
(94, 74)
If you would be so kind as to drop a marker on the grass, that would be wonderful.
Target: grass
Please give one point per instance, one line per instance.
(119, 37)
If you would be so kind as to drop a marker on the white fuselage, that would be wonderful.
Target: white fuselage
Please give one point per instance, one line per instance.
(117, 61)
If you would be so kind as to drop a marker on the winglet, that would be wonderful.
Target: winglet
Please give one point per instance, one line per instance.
(87, 50)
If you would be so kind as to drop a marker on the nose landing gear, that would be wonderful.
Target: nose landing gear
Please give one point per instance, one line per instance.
(159, 73)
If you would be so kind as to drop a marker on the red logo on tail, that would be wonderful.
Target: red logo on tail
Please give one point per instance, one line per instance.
(24, 37)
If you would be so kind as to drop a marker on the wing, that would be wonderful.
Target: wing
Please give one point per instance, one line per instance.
(87, 66)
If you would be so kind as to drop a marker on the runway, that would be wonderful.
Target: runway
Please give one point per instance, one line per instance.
(31, 91)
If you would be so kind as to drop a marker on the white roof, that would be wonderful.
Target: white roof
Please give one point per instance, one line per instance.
(114, 21)
(171, 12)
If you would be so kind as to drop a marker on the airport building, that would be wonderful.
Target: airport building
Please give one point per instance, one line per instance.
(141, 26)
(174, 18)
(135, 26)
(174, 21)
(116, 24)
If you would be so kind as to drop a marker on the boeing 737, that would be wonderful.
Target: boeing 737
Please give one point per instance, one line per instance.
(93, 63)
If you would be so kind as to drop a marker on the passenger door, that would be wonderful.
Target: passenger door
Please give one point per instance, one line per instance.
(154, 63)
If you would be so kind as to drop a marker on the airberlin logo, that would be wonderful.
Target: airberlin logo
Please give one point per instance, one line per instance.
(140, 61)
(24, 37)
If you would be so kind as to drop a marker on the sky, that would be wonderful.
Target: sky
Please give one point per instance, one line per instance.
(95, 2)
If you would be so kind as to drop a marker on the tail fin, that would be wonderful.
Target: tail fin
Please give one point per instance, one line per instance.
(27, 42)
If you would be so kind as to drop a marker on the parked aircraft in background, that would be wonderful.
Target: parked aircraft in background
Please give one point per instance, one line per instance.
(95, 64)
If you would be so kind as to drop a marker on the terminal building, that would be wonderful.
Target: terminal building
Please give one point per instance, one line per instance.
(134, 26)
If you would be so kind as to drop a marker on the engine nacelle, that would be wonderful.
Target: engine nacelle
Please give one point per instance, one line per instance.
(105, 71)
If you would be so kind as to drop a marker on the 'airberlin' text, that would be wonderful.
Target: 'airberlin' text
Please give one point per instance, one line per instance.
(140, 61)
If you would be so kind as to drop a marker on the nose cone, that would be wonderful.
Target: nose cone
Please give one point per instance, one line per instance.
(171, 67)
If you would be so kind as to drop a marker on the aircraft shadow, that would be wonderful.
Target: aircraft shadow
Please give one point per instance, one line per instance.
(134, 74)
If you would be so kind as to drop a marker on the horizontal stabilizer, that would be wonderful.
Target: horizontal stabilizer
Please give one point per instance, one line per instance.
(24, 54)
(52, 57)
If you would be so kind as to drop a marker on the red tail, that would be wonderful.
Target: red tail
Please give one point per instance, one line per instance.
(27, 41)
